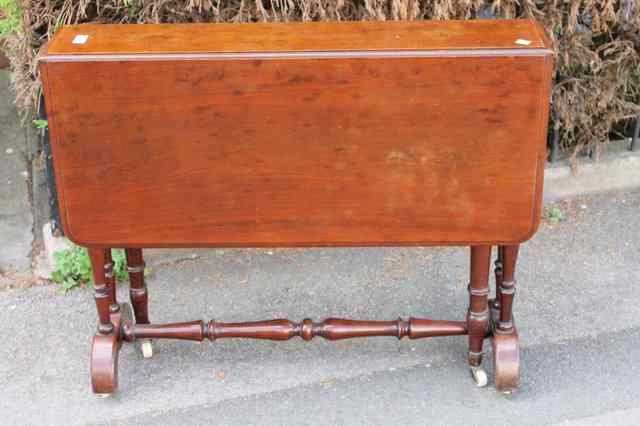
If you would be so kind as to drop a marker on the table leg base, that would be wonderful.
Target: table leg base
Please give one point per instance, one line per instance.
(506, 356)
(506, 361)
(104, 354)
(104, 364)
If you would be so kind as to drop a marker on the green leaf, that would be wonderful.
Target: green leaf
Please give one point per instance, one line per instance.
(41, 124)
(119, 265)
(555, 214)
(73, 268)
(57, 276)
(66, 287)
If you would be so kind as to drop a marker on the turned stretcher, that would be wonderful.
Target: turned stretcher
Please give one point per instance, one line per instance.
(300, 135)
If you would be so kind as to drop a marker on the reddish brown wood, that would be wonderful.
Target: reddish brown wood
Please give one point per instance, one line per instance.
(505, 340)
(193, 330)
(283, 329)
(104, 363)
(138, 288)
(506, 361)
(478, 314)
(102, 291)
(110, 280)
(332, 148)
(506, 355)
(297, 37)
(104, 353)
(508, 288)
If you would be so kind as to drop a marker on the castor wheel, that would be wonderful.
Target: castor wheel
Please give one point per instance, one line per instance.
(479, 376)
(146, 347)
(103, 395)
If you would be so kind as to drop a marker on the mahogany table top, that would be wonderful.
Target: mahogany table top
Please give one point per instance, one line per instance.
(325, 134)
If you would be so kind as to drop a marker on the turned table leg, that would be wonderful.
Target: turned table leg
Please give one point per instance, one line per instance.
(506, 356)
(138, 294)
(508, 288)
(485, 318)
(103, 293)
(104, 351)
(495, 303)
(110, 282)
(478, 314)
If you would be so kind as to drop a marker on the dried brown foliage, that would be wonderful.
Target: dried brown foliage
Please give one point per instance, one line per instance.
(597, 42)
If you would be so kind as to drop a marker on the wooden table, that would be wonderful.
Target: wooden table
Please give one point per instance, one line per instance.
(300, 135)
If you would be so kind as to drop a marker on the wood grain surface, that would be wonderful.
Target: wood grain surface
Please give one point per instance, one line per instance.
(306, 151)
(299, 37)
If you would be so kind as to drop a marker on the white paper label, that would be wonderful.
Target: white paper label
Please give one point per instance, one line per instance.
(80, 39)
(523, 42)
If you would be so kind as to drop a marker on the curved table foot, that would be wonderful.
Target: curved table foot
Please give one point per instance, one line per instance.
(506, 353)
(104, 354)
(104, 364)
(506, 361)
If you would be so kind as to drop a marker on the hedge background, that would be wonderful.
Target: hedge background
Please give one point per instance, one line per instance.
(597, 43)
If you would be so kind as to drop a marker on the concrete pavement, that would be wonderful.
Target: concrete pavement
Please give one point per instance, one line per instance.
(16, 223)
(577, 308)
(441, 394)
